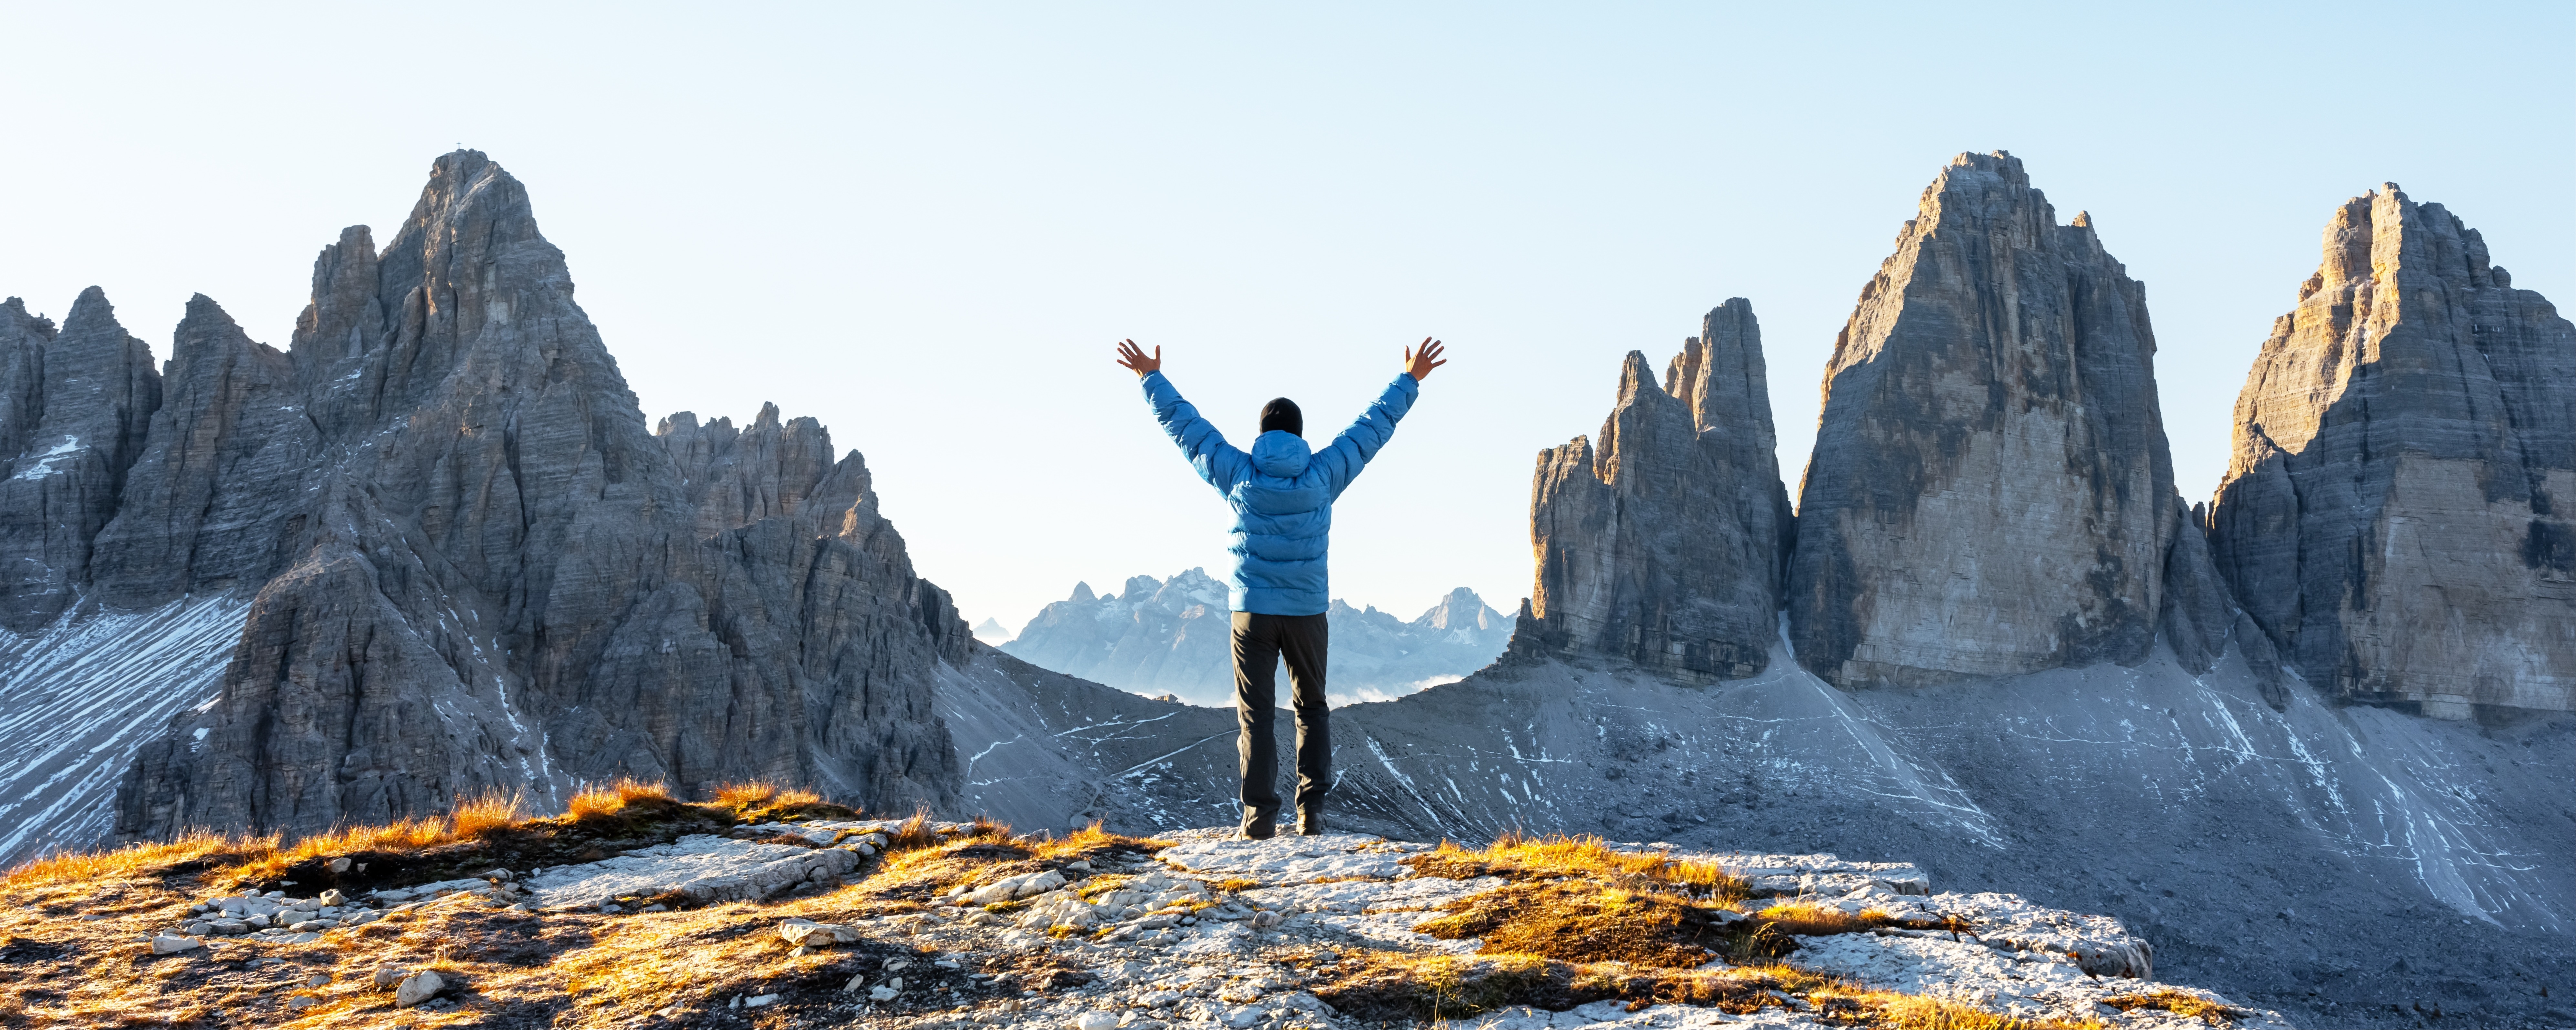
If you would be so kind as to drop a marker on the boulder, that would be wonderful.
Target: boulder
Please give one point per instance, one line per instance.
(169, 944)
(417, 988)
(807, 933)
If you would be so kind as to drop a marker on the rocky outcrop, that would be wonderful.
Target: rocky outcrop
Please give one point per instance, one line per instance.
(209, 507)
(2400, 511)
(735, 477)
(1662, 545)
(477, 570)
(1176, 637)
(1990, 492)
(78, 405)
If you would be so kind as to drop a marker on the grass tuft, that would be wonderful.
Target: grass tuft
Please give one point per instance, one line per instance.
(2179, 1003)
(478, 816)
(1521, 856)
(1582, 921)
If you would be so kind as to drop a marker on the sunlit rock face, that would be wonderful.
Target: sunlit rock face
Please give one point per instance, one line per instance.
(1990, 492)
(1660, 545)
(468, 564)
(2398, 509)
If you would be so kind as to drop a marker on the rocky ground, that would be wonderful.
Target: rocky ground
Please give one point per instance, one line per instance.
(709, 915)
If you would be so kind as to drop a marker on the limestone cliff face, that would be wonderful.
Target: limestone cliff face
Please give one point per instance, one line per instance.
(210, 505)
(2400, 511)
(476, 569)
(1990, 492)
(1662, 545)
(76, 405)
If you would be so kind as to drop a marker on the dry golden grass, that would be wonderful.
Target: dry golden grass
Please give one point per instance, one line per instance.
(1810, 920)
(746, 795)
(763, 800)
(1520, 856)
(476, 816)
(401, 835)
(1085, 842)
(1581, 921)
(1417, 986)
(244, 858)
(1412, 986)
(71, 867)
(1888, 1010)
(2179, 1003)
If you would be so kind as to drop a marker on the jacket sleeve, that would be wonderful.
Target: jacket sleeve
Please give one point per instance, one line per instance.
(1217, 461)
(1351, 451)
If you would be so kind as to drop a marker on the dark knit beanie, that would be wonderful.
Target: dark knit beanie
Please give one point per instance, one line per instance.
(1282, 414)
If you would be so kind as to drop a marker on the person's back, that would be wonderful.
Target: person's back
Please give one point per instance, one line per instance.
(1282, 494)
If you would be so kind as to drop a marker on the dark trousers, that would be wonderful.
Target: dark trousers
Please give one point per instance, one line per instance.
(1260, 641)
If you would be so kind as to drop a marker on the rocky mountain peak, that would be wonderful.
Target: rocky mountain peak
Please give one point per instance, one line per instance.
(1662, 545)
(201, 511)
(448, 478)
(1462, 609)
(78, 403)
(2395, 512)
(1990, 492)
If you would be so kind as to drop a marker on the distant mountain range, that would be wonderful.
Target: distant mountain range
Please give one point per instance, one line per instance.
(1159, 637)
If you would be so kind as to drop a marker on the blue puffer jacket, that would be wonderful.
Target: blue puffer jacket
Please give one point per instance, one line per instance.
(1282, 493)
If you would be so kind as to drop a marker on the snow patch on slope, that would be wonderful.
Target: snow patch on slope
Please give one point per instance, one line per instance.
(78, 700)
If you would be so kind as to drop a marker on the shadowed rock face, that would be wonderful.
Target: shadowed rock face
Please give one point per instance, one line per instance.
(75, 407)
(2398, 509)
(475, 567)
(1990, 492)
(1662, 546)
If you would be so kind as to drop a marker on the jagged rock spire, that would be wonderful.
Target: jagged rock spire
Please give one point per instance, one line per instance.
(79, 404)
(1990, 492)
(1662, 545)
(2400, 511)
(209, 505)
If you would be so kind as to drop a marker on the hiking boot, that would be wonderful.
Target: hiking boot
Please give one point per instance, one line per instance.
(1256, 829)
(1309, 822)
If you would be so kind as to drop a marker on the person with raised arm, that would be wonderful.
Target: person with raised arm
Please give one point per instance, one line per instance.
(1282, 494)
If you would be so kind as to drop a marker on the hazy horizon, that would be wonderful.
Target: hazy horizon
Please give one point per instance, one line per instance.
(926, 227)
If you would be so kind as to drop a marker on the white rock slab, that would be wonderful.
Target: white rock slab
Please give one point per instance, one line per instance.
(702, 867)
(1293, 859)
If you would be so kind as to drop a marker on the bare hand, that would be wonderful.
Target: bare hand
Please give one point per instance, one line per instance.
(1133, 358)
(1418, 362)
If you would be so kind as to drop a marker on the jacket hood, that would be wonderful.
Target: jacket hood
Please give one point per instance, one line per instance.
(1280, 453)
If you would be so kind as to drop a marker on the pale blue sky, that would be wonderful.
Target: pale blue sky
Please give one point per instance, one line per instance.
(925, 224)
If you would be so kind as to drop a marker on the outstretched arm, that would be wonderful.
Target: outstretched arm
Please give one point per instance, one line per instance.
(1351, 451)
(1217, 462)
